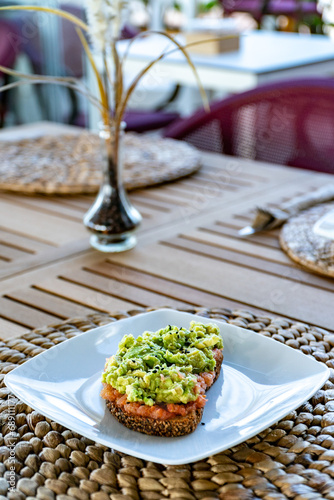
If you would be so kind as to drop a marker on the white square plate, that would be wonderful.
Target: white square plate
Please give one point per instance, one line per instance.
(261, 381)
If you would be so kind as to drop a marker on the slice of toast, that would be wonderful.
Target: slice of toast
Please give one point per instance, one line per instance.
(172, 427)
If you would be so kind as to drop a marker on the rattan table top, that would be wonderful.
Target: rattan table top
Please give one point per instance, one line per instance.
(71, 163)
(292, 459)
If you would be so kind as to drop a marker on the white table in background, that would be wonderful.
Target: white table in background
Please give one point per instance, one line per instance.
(263, 56)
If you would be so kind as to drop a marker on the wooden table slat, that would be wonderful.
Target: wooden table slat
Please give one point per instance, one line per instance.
(293, 271)
(25, 315)
(50, 303)
(41, 225)
(9, 329)
(84, 296)
(25, 243)
(161, 286)
(117, 288)
(242, 245)
(10, 253)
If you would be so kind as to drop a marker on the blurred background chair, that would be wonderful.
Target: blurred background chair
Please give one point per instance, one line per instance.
(289, 123)
(8, 54)
(297, 11)
(71, 63)
(49, 46)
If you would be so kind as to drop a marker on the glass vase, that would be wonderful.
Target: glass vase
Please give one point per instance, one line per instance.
(112, 218)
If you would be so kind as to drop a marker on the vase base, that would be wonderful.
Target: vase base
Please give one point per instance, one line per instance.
(112, 245)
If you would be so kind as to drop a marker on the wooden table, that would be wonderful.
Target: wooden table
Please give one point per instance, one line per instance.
(188, 252)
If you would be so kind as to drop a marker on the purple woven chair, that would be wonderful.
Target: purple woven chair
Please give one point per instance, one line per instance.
(138, 121)
(258, 8)
(289, 123)
(29, 42)
(7, 46)
(8, 54)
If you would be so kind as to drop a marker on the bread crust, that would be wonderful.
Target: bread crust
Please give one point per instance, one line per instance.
(173, 427)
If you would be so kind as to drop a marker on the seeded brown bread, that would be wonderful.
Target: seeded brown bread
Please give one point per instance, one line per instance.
(173, 427)
(178, 426)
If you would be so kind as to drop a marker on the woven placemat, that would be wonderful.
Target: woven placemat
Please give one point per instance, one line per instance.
(72, 163)
(293, 459)
(304, 246)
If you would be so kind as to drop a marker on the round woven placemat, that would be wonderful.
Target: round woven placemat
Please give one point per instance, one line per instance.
(305, 247)
(72, 163)
(293, 459)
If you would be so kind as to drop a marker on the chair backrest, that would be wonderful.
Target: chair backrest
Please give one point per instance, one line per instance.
(8, 49)
(30, 42)
(257, 8)
(72, 55)
(289, 123)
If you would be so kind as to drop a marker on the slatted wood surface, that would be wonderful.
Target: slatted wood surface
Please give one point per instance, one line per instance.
(188, 253)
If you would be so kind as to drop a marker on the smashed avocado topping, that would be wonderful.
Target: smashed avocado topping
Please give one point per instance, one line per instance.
(161, 367)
